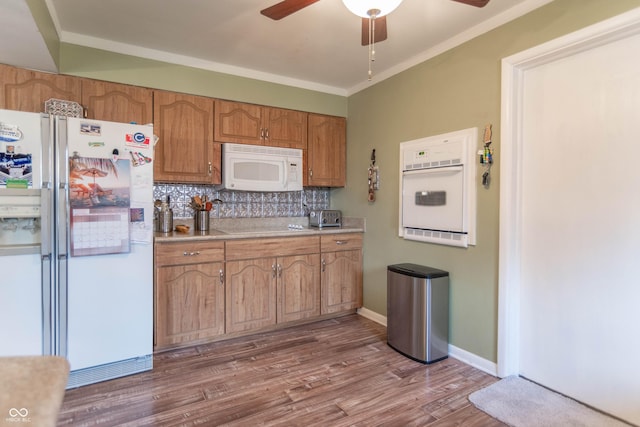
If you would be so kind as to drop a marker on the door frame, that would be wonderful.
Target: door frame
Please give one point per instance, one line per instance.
(513, 70)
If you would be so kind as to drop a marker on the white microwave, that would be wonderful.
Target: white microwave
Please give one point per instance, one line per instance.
(260, 168)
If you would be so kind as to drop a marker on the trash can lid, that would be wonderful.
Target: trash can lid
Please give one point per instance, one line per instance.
(416, 270)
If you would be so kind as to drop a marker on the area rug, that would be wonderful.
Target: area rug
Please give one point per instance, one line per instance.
(521, 403)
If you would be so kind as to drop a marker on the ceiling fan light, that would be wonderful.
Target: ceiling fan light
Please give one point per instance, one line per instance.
(362, 7)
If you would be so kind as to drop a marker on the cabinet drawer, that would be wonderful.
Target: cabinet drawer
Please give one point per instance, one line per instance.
(340, 242)
(260, 248)
(188, 253)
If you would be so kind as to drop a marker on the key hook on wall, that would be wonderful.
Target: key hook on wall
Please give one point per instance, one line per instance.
(486, 156)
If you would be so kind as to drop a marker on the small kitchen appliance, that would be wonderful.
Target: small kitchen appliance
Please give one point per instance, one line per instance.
(325, 218)
(261, 168)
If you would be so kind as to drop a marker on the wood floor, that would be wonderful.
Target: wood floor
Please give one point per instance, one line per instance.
(337, 372)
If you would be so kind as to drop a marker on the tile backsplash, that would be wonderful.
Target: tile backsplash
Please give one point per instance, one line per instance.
(243, 204)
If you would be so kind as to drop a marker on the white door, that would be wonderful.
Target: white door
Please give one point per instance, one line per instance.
(578, 206)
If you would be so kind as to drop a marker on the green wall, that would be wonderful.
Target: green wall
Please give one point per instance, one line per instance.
(456, 90)
(103, 65)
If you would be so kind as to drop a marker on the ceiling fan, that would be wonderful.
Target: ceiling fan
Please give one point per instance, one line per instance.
(287, 7)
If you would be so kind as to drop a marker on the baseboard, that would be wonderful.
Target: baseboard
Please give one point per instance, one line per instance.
(372, 315)
(474, 360)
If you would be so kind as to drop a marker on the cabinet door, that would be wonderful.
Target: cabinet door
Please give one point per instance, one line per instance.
(285, 128)
(341, 281)
(238, 123)
(185, 151)
(27, 90)
(298, 287)
(250, 294)
(189, 303)
(116, 102)
(326, 151)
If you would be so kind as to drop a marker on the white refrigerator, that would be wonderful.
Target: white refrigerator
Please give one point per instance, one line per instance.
(76, 234)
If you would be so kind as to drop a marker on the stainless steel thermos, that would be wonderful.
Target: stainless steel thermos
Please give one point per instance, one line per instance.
(164, 223)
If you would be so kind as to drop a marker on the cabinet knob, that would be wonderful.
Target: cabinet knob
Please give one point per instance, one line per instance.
(273, 271)
(221, 276)
(210, 168)
(196, 253)
(341, 242)
(324, 265)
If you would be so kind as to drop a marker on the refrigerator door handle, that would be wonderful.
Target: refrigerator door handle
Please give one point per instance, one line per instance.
(62, 236)
(48, 300)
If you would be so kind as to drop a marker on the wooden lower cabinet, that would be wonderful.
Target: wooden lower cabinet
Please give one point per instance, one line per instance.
(189, 293)
(251, 294)
(341, 272)
(298, 287)
(266, 290)
(207, 289)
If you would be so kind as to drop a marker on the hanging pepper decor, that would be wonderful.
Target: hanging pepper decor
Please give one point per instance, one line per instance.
(373, 178)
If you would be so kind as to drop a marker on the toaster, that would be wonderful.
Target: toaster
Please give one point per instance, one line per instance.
(325, 218)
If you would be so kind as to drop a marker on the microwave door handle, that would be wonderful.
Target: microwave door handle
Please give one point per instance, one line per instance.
(449, 170)
(286, 173)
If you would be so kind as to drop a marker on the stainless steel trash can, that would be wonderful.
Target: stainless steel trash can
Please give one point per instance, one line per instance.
(418, 311)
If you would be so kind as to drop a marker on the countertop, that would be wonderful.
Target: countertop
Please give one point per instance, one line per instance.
(244, 228)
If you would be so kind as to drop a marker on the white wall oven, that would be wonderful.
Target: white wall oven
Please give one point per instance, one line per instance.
(438, 190)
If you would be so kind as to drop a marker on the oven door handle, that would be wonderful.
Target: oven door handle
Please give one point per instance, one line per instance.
(449, 170)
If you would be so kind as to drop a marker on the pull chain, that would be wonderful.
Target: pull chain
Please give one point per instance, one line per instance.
(373, 13)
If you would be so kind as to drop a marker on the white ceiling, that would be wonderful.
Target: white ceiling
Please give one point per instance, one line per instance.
(20, 41)
(316, 48)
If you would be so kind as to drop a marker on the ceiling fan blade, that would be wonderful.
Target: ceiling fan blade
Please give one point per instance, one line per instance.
(380, 33)
(285, 8)
(476, 3)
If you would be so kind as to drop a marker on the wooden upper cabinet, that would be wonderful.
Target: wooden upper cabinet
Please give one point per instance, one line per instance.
(117, 102)
(326, 153)
(239, 123)
(185, 151)
(27, 90)
(242, 123)
(285, 128)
